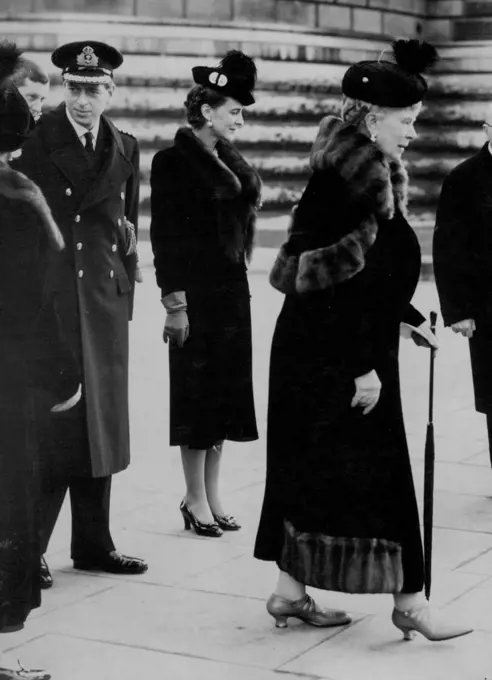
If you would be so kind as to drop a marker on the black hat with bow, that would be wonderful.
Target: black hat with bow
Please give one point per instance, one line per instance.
(234, 77)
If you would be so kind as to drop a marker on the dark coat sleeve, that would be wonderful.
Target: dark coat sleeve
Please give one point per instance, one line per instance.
(413, 317)
(170, 233)
(369, 310)
(132, 198)
(324, 216)
(456, 265)
(25, 316)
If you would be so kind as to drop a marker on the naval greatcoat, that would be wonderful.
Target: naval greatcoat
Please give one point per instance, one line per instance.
(90, 284)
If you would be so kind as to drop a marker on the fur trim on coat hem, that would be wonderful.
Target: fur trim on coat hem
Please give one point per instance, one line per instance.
(377, 186)
(343, 564)
(16, 186)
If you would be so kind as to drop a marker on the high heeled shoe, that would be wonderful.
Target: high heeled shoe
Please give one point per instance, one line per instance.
(211, 529)
(227, 522)
(306, 610)
(425, 620)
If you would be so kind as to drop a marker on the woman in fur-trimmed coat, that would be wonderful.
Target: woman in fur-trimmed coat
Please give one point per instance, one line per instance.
(27, 234)
(339, 510)
(204, 201)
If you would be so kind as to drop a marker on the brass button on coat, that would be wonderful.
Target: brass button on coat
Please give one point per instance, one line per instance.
(77, 218)
(79, 246)
(111, 274)
(81, 273)
(68, 192)
(113, 248)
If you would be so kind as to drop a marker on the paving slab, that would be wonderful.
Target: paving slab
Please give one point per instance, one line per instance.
(374, 649)
(474, 606)
(202, 625)
(83, 659)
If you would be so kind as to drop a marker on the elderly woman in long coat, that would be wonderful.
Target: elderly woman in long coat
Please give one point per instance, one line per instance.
(339, 511)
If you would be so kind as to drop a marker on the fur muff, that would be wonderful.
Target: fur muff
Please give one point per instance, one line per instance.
(376, 186)
(233, 183)
(15, 185)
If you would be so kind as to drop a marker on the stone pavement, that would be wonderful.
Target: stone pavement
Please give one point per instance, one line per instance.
(199, 612)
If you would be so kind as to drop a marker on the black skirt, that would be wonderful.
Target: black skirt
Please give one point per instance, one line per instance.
(211, 376)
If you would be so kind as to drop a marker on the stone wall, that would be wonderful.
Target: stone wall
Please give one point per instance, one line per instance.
(371, 18)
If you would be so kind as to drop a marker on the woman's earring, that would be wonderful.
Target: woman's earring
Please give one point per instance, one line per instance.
(209, 123)
(373, 137)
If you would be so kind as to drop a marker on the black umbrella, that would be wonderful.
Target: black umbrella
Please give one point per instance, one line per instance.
(429, 472)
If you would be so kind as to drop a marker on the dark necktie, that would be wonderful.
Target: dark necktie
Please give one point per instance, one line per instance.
(89, 142)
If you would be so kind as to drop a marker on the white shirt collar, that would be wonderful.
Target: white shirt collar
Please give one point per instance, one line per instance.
(490, 148)
(80, 130)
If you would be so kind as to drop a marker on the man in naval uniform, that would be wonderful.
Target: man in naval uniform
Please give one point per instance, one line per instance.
(89, 173)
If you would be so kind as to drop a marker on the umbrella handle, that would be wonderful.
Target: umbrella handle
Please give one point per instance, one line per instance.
(433, 322)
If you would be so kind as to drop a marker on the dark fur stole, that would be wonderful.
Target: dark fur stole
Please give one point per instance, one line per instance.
(232, 183)
(376, 186)
(16, 186)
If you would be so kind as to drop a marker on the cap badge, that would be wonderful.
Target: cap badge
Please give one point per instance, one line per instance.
(87, 57)
(365, 79)
(218, 79)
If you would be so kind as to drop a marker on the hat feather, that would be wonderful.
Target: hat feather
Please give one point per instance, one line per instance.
(239, 65)
(414, 56)
(9, 59)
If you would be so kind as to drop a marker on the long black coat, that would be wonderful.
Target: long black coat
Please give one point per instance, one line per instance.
(27, 232)
(339, 510)
(203, 212)
(91, 282)
(462, 252)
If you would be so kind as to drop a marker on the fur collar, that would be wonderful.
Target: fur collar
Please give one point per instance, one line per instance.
(378, 187)
(15, 185)
(232, 183)
(227, 175)
(378, 183)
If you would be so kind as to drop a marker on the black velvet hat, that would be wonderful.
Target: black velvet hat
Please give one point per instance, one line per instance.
(87, 61)
(234, 77)
(396, 84)
(15, 117)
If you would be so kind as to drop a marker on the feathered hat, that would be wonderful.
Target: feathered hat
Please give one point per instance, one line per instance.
(396, 84)
(15, 117)
(235, 77)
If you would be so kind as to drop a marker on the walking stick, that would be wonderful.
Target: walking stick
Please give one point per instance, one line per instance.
(429, 472)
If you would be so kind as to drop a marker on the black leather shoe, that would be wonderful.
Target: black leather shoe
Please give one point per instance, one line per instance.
(113, 563)
(227, 522)
(45, 577)
(211, 530)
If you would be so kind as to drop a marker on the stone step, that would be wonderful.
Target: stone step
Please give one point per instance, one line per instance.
(299, 136)
(166, 103)
(196, 39)
(283, 195)
(473, 29)
(479, 8)
(285, 166)
(463, 72)
(271, 165)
